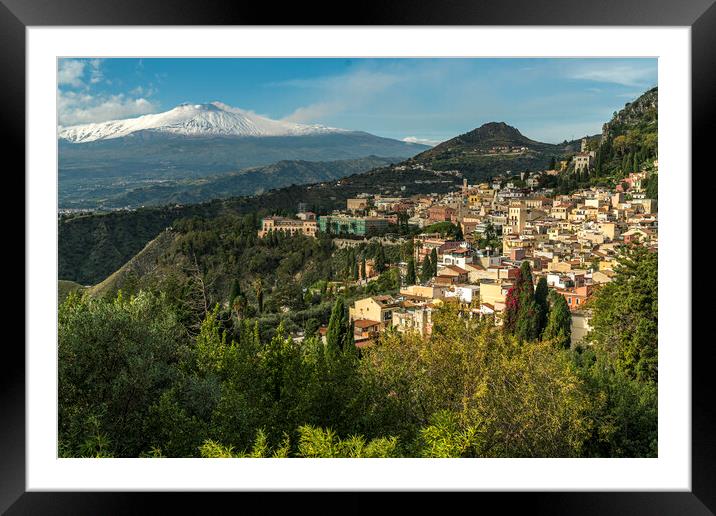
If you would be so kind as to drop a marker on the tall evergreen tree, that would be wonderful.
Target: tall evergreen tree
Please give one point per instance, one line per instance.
(559, 321)
(526, 274)
(235, 291)
(336, 336)
(625, 314)
(410, 275)
(528, 320)
(259, 290)
(541, 295)
(522, 314)
(426, 271)
(434, 261)
(512, 305)
(380, 260)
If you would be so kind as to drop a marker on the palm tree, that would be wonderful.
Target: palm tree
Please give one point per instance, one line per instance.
(259, 290)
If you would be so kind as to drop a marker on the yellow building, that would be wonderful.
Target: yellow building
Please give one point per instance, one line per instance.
(493, 292)
(516, 218)
(423, 292)
(557, 266)
(356, 204)
(375, 308)
(288, 226)
(608, 229)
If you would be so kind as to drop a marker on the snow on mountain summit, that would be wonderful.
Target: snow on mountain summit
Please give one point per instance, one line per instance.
(213, 119)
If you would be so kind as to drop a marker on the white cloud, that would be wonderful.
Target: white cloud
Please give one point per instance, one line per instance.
(622, 74)
(423, 141)
(70, 72)
(96, 74)
(82, 96)
(81, 107)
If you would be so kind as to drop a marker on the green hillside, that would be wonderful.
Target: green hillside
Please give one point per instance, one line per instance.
(65, 287)
(492, 149)
(250, 181)
(137, 269)
(630, 139)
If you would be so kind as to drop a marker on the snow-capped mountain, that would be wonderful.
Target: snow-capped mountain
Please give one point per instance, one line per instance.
(213, 119)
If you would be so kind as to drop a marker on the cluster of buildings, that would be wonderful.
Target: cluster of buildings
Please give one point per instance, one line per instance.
(363, 216)
(571, 240)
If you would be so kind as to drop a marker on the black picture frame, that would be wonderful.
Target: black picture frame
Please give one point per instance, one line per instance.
(17, 15)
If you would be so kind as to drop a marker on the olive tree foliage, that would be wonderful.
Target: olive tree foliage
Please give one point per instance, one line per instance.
(313, 442)
(115, 358)
(478, 392)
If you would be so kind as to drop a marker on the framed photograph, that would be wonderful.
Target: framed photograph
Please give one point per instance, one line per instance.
(431, 250)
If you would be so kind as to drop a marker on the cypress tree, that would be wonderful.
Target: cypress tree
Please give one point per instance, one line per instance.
(559, 322)
(380, 259)
(526, 274)
(434, 261)
(528, 320)
(541, 293)
(336, 334)
(522, 313)
(512, 305)
(426, 272)
(528, 313)
(410, 275)
(235, 291)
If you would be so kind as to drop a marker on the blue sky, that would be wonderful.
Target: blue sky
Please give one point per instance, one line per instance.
(423, 99)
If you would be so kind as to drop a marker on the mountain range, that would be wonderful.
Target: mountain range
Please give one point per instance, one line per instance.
(102, 160)
(93, 246)
(212, 119)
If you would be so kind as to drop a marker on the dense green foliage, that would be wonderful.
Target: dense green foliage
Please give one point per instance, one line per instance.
(525, 314)
(630, 138)
(204, 262)
(626, 314)
(445, 230)
(65, 287)
(135, 381)
(559, 321)
(93, 246)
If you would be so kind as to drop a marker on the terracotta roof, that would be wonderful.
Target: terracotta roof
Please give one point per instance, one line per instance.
(365, 323)
(454, 268)
(384, 300)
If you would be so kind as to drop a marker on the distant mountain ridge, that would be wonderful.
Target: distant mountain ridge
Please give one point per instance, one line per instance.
(100, 162)
(212, 119)
(250, 181)
(485, 137)
(492, 148)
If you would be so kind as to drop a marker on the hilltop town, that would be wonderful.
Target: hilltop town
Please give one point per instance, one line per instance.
(473, 241)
